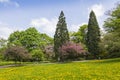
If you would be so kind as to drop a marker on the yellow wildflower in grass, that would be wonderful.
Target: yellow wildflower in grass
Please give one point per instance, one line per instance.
(92, 70)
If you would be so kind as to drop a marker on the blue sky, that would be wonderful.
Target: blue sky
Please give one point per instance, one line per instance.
(43, 14)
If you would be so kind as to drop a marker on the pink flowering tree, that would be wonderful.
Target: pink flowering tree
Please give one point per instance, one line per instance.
(71, 51)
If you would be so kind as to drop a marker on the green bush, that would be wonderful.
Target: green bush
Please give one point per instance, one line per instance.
(37, 55)
(110, 46)
(1, 56)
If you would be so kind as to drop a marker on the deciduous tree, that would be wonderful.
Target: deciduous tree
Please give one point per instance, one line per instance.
(71, 51)
(16, 53)
(30, 39)
(112, 27)
(80, 35)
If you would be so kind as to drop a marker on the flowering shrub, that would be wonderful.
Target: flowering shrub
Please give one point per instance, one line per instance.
(16, 53)
(71, 51)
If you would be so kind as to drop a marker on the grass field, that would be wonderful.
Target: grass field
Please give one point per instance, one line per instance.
(90, 70)
(6, 63)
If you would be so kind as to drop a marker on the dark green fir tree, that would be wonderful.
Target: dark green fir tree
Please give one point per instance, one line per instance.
(61, 35)
(93, 35)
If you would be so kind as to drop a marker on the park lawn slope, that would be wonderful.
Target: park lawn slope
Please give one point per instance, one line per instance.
(89, 70)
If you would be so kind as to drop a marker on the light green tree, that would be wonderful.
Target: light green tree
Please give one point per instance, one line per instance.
(30, 39)
(80, 35)
(112, 27)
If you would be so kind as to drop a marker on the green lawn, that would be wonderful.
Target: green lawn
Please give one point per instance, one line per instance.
(90, 70)
(6, 63)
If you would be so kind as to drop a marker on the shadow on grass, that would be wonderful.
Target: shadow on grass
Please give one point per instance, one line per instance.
(114, 60)
(12, 65)
(17, 65)
(111, 60)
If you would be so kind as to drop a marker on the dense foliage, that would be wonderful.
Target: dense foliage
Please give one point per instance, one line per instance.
(30, 39)
(80, 35)
(37, 55)
(112, 37)
(3, 42)
(71, 51)
(16, 53)
(3, 45)
(61, 34)
(49, 52)
(93, 35)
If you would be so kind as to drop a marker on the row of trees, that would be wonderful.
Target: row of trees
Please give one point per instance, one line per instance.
(96, 43)
(111, 40)
(28, 45)
(90, 37)
(87, 42)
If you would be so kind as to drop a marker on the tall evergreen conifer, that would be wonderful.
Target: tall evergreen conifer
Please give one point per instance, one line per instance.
(61, 35)
(93, 35)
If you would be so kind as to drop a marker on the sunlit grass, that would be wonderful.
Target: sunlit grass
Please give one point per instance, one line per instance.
(91, 70)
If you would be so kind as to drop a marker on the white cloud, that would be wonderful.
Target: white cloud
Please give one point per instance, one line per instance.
(9, 2)
(98, 9)
(48, 26)
(4, 1)
(75, 27)
(5, 30)
(45, 25)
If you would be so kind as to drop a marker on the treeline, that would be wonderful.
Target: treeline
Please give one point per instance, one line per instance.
(28, 45)
(89, 42)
